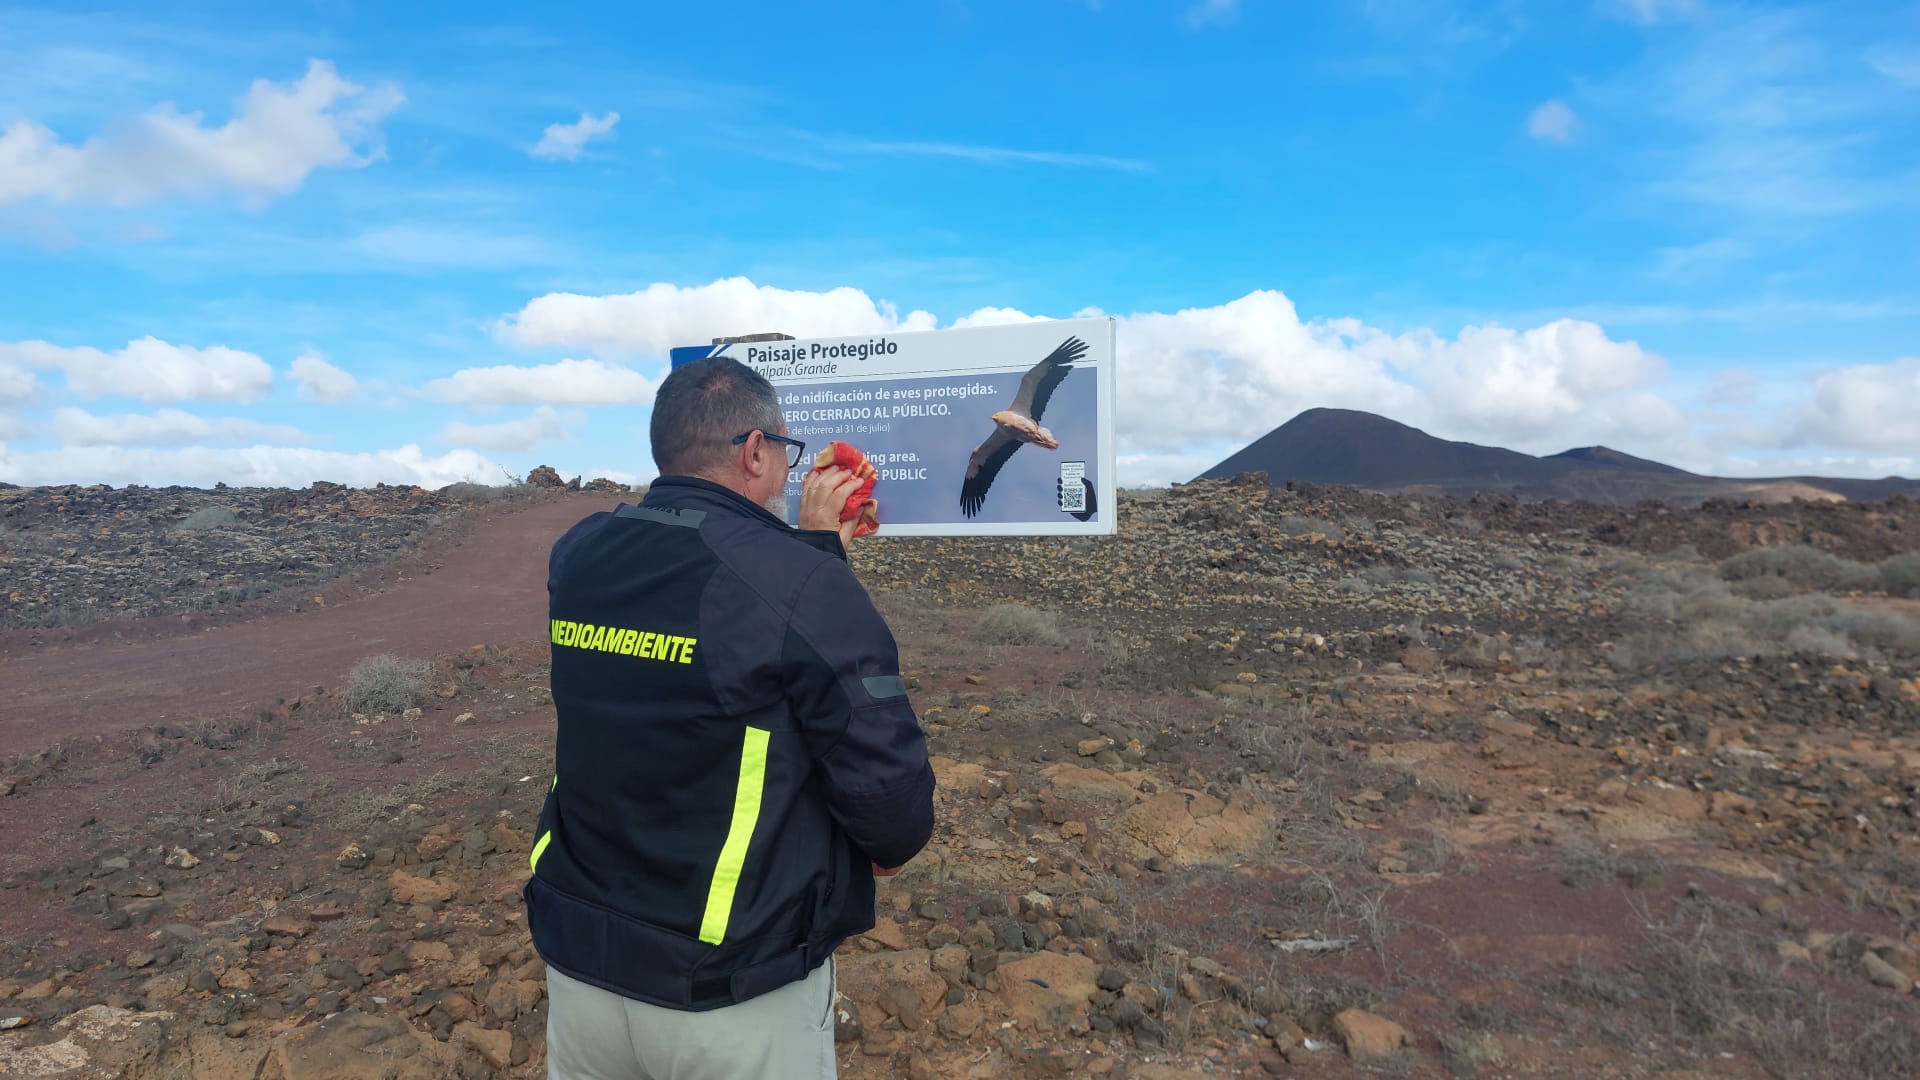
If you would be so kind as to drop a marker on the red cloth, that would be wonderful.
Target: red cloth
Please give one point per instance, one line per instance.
(860, 504)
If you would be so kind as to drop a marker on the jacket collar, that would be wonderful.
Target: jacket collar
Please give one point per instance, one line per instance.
(693, 492)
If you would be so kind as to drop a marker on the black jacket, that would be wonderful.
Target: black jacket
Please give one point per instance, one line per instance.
(735, 743)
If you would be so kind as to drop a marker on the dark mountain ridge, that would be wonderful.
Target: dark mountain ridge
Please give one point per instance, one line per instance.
(1363, 450)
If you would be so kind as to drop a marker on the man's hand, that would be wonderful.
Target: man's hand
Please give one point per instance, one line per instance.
(881, 871)
(822, 497)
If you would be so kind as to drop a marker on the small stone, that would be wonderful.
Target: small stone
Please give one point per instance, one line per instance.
(463, 718)
(1393, 865)
(1368, 1037)
(352, 857)
(136, 886)
(182, 859)
(887, 934)
(950, 962)
(1792, 952)
(1090, 747)
(140, 960)
(409, 889)
(1881, 973)
(285, 925)
(495, 1046)
(903, 1003)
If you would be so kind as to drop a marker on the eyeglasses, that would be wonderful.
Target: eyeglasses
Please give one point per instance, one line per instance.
(795, 448)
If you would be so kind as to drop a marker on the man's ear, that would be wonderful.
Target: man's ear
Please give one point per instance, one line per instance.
(756, 448)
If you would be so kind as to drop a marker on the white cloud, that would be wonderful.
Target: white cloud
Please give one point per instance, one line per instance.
(167, 427)
(1733, 388)
(661, 316)
(1651, 12)
(1902, 66)
(425, 245)
(16, 382)
(1238, 370)
(251, 466)
(1866, 407)
(13, 427)
(1212, 12)
(1831, 465)
(321, 381)
(1159, 470)
(528, 433)
(1190, 382)
(565, 382)
(1552, 121)
(1762, 109)
(563, 142)
(150, 369)
(280, 132)
(1538, 386)
(985, 155)
(1679, 262)
(1195, 384)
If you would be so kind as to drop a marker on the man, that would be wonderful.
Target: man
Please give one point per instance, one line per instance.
(736, 757)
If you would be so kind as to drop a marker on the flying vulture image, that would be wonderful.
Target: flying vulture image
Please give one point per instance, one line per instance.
(1018, 423)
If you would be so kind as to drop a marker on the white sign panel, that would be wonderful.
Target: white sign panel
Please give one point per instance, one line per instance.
(981, 431)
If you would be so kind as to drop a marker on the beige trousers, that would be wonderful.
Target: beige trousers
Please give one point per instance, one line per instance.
(784, 1034)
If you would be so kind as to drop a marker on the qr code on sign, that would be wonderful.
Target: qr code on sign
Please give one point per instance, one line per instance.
(1073, 491)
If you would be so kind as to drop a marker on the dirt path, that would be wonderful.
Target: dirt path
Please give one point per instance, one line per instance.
(483, 580)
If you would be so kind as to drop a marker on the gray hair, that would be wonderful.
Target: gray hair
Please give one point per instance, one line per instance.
(701, 406)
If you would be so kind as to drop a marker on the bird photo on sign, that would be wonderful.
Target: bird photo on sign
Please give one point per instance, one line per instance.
(1018, 424)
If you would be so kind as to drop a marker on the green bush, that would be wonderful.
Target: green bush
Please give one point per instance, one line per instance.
(1018, 624)
(1900, 575)
(1806, 567)
(388, 684)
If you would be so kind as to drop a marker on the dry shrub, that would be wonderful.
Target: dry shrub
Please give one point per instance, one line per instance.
(1018, 624)
(1808, 568)
(1900, 575)
(388, 684)
(1705, 620)
(207, 517)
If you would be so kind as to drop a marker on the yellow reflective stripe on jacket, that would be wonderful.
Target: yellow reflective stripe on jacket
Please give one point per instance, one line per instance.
(540, 845)
(733, 854)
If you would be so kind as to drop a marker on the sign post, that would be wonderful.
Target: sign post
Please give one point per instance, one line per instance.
(978, 431)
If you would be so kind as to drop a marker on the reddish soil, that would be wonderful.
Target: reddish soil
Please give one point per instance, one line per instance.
(481, 580)
(1534, 867)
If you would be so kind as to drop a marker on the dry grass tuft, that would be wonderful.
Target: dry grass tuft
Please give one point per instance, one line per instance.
(1018, 624)
(388, 684)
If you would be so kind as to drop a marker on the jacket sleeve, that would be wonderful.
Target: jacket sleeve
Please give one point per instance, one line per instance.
(842, 673)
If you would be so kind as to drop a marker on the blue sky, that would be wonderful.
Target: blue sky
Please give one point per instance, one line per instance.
(279, 243)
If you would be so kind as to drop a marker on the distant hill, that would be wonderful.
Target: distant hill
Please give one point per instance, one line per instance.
(1360, 449)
